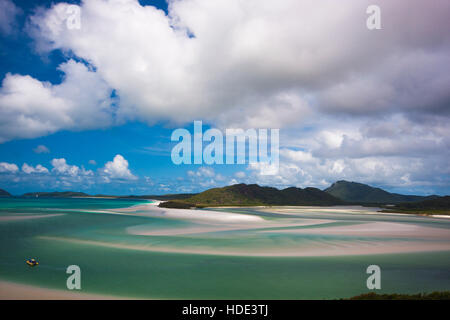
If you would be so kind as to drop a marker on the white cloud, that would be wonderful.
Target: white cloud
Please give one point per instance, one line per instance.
(258, 63)
(207, 172)
(117, 169)
(41, 149)
(93, 162)
(30, 169)
(61, 167)
(30, 108)
(394, 152)
(8, 167)
(206, 177)
(8, 14)
(240, 174)
(67, 176)
(298, 155)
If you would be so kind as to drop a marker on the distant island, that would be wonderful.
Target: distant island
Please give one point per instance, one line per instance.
(255, 195)
(4, 193)
(56, 194)
(339, 193)
(73, 194)
(355, 192)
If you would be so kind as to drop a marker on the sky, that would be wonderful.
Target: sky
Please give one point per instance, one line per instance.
(89, 103)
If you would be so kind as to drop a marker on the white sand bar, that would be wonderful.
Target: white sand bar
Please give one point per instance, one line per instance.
(16, 291)
(344, 230)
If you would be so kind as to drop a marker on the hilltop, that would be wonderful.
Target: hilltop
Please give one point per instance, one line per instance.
(355, 192)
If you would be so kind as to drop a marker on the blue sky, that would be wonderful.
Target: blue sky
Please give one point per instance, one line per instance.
(147, 149)
(93, 108)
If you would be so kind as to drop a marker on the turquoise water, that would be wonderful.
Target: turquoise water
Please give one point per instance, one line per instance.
(126, 272)
(45, 204)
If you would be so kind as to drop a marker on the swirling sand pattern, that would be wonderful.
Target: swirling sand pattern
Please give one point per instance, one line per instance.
(137, 250)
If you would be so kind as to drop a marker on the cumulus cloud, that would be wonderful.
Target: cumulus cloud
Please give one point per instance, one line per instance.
(30, 108)
(37, 169)
(41, 149)
(206, 177)
(248, 63)
(255, 57)
(207, 172)
(395, 135)
(67, 176)
(61, 167)
(394, 152)
(117, 169)
(8, 167)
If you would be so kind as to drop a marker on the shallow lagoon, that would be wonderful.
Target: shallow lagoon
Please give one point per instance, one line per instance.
(116, 262)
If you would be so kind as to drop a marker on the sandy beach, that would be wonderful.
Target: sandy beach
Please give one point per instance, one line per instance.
(17, 291)
(319, 249)
(151, 210)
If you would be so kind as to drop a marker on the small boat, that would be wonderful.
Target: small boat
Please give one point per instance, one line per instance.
(32, 262)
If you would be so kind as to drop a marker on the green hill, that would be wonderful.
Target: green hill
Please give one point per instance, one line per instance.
(362, 193)
(255, 195)
(64, 194)
(4, 193)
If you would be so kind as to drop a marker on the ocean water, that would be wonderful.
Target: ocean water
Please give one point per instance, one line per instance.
(122, 271)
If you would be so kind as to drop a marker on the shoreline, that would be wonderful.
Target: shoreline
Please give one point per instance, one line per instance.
(330, 207)
(10, 290)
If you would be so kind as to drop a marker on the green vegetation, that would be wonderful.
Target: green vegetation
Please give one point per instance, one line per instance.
(339, 193)
(4, 193)
(175, 204)
(72, 194)
(439, 205)
(254, 195)
(437, 295)
(65, 194)
(359, 193)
